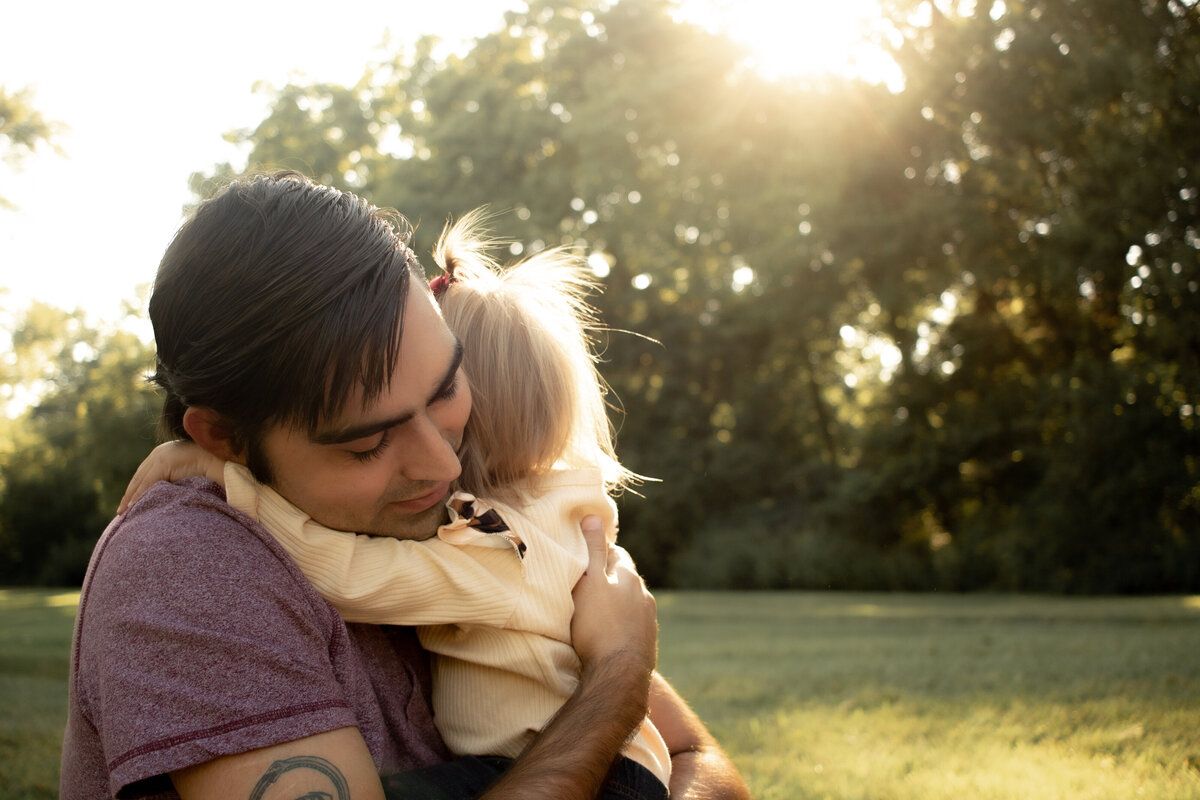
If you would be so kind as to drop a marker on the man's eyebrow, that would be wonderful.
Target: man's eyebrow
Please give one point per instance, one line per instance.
(448, 379)
(355, 432)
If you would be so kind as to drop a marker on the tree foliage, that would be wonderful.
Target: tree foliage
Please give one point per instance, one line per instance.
(940, 337)
(23, 129)
(1049, 423)
(69, 454)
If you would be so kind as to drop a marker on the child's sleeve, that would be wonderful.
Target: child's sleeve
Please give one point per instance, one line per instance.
(381, 580)
(593, 498)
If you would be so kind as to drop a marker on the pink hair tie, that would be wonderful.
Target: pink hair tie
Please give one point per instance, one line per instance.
(439, 284)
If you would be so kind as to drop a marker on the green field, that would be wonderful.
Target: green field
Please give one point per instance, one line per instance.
(35, 642)
(930, 696)
(841, 696)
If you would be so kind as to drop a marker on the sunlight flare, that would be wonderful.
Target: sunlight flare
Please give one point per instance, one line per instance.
(804, 38)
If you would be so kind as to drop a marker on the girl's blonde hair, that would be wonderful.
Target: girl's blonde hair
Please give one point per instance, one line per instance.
(529, 356)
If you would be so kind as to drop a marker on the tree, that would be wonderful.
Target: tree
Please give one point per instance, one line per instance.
(941, 335)
(1050, 164)
(23, 130)
(74, 448)
(579, 124)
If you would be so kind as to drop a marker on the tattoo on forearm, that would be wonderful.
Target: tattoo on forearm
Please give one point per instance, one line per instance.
(341, 789)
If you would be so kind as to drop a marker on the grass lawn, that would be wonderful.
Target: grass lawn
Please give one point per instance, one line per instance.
(35, 643)
(890, 697)
(821, 695)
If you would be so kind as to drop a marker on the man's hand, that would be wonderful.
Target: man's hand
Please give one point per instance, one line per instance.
(615, 615)
(614, 622)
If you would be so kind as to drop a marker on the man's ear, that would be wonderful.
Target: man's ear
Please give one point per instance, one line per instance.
(213, 433)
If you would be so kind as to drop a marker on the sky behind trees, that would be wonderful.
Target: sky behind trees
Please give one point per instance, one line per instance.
(146, 92)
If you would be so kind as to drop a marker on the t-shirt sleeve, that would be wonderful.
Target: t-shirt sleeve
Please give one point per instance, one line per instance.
(381, 580)
(201, 641)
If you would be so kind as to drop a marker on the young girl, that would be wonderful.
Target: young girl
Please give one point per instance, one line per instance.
(493, 588)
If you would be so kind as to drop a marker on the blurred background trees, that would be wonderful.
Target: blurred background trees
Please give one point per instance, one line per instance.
(23, 130)
(944, 337)
(67, 457)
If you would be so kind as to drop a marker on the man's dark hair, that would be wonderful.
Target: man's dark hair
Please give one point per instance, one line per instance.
(274, 302)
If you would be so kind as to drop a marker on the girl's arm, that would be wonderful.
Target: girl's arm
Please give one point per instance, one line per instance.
(381, 580)
(367, 578)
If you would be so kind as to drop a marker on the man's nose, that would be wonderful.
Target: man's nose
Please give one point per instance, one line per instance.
(431, 455)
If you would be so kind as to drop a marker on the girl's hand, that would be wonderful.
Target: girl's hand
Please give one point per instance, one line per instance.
(172, 461)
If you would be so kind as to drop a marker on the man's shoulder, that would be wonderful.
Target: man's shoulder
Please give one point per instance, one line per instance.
(183, 559)
(190, 496)
(196, 635)
(186, 534)
(172, 516)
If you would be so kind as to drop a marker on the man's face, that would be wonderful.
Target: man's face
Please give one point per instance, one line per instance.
(384, 469)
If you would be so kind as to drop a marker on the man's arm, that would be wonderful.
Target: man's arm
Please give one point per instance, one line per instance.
(571, 756)
(567, 761)
(335, 764)
(700, 770)
(615, 634)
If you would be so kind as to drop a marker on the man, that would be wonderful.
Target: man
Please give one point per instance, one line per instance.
(296, 336)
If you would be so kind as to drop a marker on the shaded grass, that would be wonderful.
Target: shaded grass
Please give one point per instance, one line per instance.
(821, 695)
(35, 640)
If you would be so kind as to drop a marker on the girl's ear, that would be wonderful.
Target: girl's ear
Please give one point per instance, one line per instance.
(213, 433)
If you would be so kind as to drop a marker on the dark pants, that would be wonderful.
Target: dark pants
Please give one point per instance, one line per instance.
(470, 776)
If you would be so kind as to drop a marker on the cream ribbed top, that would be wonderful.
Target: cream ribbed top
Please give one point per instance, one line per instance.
(498, 622)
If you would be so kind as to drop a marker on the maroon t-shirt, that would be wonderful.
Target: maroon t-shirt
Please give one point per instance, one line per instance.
(198, 637)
